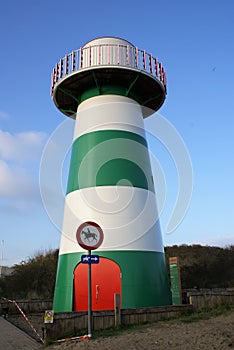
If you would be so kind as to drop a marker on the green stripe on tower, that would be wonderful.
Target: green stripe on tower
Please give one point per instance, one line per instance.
(144, 279)
(109, 158)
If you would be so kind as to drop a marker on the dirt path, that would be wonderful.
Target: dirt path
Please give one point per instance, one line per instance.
(214, 333)
(11, 338)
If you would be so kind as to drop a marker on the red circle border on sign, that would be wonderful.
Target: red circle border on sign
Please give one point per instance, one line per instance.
(80, 229)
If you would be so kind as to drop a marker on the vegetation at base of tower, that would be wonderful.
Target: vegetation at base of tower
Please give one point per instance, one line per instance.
(32, 279)
(201, 267)
(204, 266)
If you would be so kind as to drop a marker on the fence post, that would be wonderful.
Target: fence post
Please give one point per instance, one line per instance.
(117, 310)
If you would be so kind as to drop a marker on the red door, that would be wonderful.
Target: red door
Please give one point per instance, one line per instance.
(106, 282)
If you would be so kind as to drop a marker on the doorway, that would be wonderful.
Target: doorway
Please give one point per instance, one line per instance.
(106, 281)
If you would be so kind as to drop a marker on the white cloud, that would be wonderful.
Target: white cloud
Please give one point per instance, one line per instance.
(224, 240)
(219, 241)
(19, 161)
(21, 147)
(15, 182)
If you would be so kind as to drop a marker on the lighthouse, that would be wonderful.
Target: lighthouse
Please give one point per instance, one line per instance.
(108, 87)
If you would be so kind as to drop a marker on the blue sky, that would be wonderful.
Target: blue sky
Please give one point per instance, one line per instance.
(193, 39)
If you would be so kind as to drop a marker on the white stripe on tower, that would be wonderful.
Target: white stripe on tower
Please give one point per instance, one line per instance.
(109, 112)
(130, 223)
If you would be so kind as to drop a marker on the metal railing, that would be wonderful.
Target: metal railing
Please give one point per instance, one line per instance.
(108, 54)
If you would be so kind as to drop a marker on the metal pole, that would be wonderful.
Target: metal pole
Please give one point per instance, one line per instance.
(89, 298)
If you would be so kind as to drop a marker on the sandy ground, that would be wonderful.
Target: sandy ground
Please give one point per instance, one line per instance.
(214, 333)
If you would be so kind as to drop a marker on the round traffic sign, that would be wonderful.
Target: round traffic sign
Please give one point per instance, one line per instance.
(89, 235)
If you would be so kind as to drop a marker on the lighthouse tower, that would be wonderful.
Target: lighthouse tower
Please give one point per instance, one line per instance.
(109, 86)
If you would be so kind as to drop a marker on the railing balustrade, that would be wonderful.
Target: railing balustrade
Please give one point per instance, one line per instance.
(104, 55)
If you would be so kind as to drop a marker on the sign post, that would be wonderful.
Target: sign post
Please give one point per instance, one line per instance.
(175, 281)
(89, 236)
(89, 299)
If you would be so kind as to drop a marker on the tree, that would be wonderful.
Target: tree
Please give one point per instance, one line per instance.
(32, 279)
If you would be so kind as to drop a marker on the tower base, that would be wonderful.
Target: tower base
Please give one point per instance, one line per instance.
(142, 277)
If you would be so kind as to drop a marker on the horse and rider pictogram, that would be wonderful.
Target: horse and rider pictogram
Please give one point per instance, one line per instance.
(89, 235)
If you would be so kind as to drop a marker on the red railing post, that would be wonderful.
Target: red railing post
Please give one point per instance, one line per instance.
(99, 57)
(73, 61)
(160, 71)
(52, 81)
(151, 63)
(108, 53)
(80, 57)
(57, 72)
(144, 60)
(60, 68)
(128, 55)
(156, 66)
(89, 55)
(164, 78)
(66, 64)
(136, 56)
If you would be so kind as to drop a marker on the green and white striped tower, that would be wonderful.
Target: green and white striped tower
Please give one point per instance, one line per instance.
(109, 86)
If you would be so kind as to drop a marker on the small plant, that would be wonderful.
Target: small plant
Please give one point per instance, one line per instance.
(205, 313)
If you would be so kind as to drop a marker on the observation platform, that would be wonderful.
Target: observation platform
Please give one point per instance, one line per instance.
(108, 66)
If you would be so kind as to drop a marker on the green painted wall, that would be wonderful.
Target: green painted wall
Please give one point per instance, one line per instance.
(144, 279)
(103, 158)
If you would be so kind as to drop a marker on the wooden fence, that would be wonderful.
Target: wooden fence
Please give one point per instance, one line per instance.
(75, 323)
(28, 306)
(209, 299)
